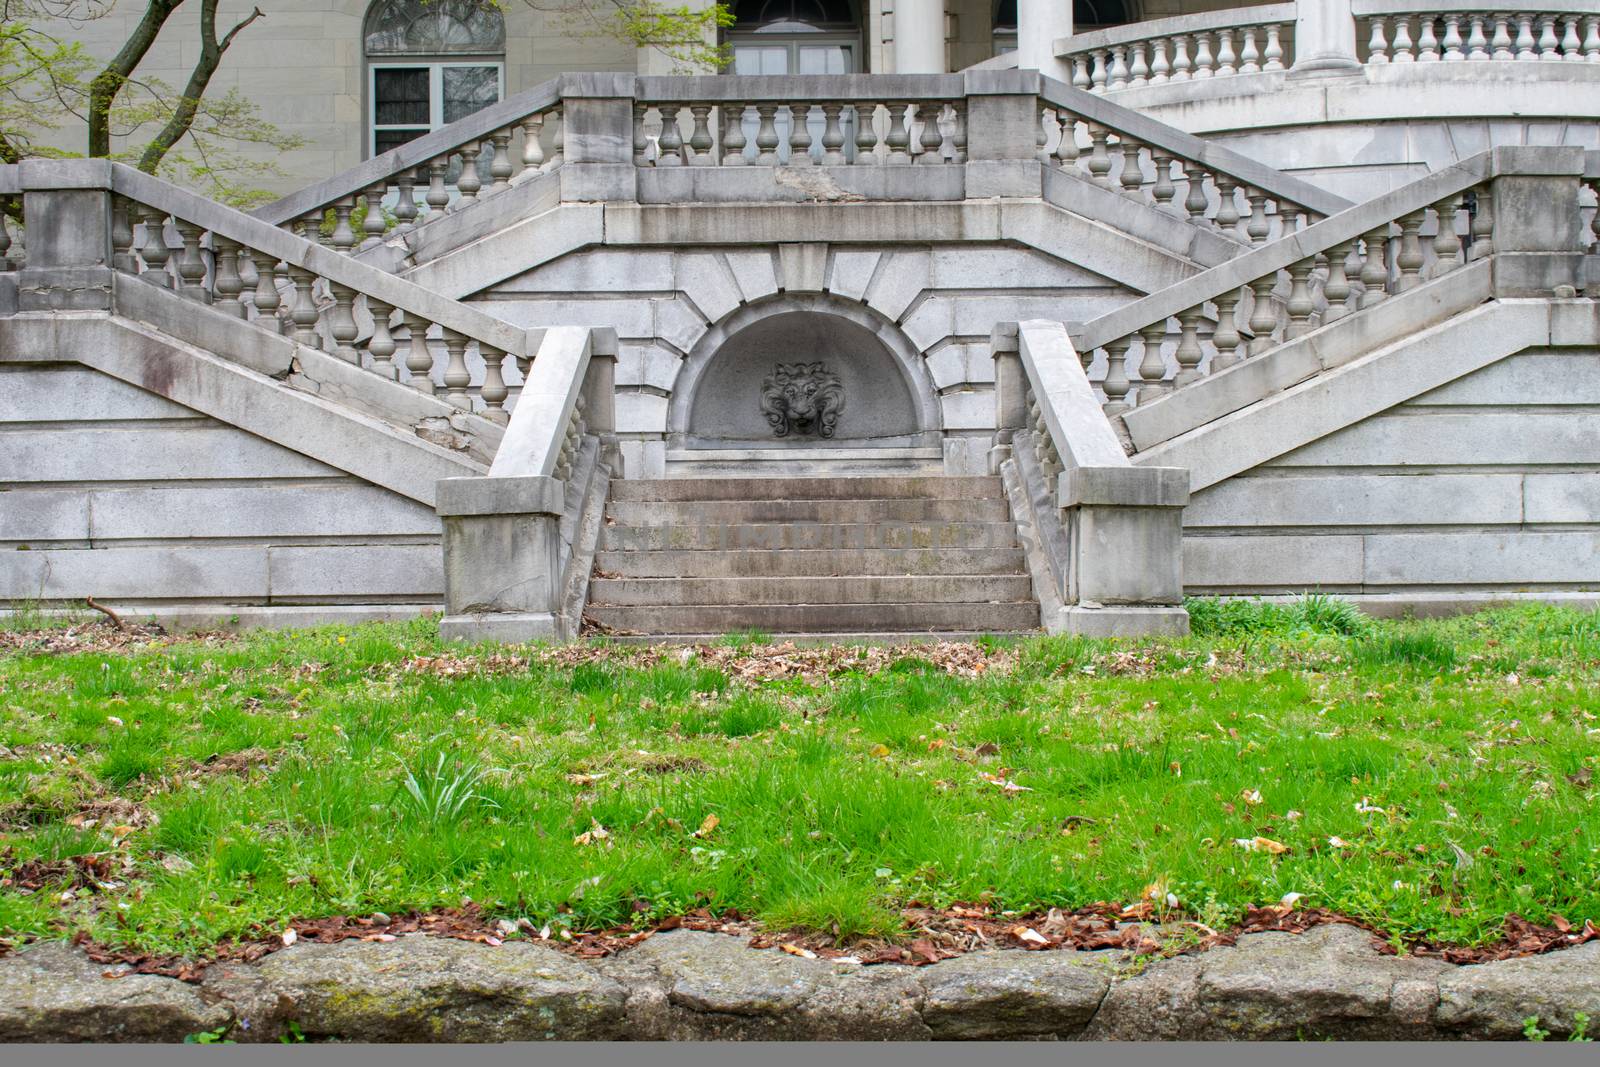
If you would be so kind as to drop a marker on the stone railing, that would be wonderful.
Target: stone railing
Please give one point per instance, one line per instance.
(1103, 538)
(1345, 265)
(12, 251)
(519, 544)
(1214, 44)
(800, 121)
(1443, 31)
(490, 150)
(1120, 149)
(106, 213)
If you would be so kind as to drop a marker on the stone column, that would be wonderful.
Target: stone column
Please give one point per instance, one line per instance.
(919, 37)
(1324, 36)
(1127, 549)
(1040, 24)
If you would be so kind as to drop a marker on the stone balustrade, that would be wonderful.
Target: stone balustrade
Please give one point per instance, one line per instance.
(12, 252)
(211, 254)
(1215, 44)
(1344, 265)
(1432, 31)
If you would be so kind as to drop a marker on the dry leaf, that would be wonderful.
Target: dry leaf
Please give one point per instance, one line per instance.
(880, 750)
(710, 824)
(290, 937)
(1029, 935)
(796, 950)
(1261, 844)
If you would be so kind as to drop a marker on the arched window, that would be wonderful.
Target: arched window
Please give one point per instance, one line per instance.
(795, 37)
(1087, 15)
(429, 63)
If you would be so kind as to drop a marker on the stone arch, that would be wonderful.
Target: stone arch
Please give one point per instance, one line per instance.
(890, 397)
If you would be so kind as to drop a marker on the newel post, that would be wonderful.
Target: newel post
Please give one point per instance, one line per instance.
(1324, 36)
(1010, 392)
(1536, 222)
(597, 138)
(1005, 122)
(67, 205)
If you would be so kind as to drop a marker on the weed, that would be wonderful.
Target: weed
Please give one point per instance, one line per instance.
(443, 793)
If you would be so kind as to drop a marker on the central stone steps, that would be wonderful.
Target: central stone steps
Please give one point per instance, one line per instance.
(885, 554)
(784, 462)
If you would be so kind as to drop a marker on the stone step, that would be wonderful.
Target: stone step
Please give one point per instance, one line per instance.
(812, 563)
(930, 590)
(831, 512)
(808, 535)
(926, 487)
(819, 618)
(802, 462)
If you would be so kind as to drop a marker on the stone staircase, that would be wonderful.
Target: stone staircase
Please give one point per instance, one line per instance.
(847, 555)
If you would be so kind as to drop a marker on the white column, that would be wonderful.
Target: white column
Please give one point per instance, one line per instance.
(1324, 35)
(919, 37)
(1040, 24)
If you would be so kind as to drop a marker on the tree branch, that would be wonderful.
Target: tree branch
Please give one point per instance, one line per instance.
(211, 51)
(108, 83)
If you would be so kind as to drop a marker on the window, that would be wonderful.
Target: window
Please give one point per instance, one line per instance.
(1087, 15)
(429, 63)
(795, 37)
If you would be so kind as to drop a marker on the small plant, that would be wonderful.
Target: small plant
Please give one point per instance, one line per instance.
(209, 1037)
(295, 1036)
(1531, 1031)
(1580, 1028)
(444, 792)
(1423, 649)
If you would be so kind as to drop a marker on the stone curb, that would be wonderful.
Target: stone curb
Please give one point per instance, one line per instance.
(688, 985)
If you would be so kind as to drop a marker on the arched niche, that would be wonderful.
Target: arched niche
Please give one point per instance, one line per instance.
(888, 397)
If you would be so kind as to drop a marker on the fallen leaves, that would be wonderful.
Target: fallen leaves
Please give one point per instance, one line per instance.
(708, 826)
(1006, 785)
(593, 836)
(1261, 844)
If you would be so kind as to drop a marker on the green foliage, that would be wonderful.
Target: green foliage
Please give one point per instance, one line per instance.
(1406, 649)
(1313, 614)
(442, 793)
(219, 1036)
(686, 35)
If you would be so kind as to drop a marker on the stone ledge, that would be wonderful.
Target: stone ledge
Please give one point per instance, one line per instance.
(684, 985)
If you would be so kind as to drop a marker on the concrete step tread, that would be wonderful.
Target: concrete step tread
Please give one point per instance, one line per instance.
(824, 453)
(808, 536)
(761, 512)
(864, 637)
(816, 563)
(799, 590)
(869, 487)
(818, 618)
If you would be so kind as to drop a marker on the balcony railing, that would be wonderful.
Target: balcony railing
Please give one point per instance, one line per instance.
(1215, 44)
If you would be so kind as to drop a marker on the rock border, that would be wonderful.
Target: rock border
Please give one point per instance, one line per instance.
(1329, 982)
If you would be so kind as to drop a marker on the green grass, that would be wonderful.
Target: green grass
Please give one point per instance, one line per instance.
(1452, 761)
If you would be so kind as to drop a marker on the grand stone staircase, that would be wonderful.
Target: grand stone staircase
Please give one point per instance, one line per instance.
(860, 555)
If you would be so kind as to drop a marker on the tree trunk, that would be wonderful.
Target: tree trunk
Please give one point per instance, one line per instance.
(211, 51)
(109, 82)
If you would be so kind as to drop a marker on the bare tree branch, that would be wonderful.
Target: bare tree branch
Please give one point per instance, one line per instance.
(108, 83)
(211, 51)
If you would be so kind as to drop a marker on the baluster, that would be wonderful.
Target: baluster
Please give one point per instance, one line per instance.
(1204, 62)
(799, 135)
(700, 143)
(1099, 77)
(405, 205)
(1591, 39)
(342, 323)
(1427, 43)
(1118, 75)
(1482, 226)
(866, 133)
(1299, 305)
(1067, 147)
(1477, 43)
(155, 251)
(1226, 338)
(767, 135)
(1525, 41)
(932, 139)
(1080, 72)
(343, 237)
(1452, 39)
(1099, 157)
(899, 138)
(1548, 44)
(1378, 45)
(733, 139)
(1189, 353)
(1139, 67)
(1180, 57)
(1152, 367)
(1274, 52)
(226, 280)
(191, 268)
(670, 143)
(1336, 289)
(5, 235)
(1195, 201)
(500, 169)
(467, 182)
(1132, 177)
(1290, 216)
(958, 131)
(1263, 316)
(1163, 190)
(303, 312)
(1446, 243)
(1225, 54)
(1404, 49)
(381, 345)
(266, 297)
(419, 357)
(438, 197)
(1042, 125)
(832, 136)
(1160, 67)
(1227, 217)
(122, 257)
(1259, 227)
(1116, 384)
(1571, 46)
(533, 147)
(374, 225)
(1375, 270)
(1501, 42)
(494, 391)
(558, 138)
(1410, 258)
(456, 376)
(1249, 54)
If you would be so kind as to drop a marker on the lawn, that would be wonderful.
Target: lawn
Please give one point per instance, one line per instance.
(1429, 778)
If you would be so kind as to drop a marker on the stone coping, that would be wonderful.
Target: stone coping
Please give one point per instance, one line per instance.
(1331, 982)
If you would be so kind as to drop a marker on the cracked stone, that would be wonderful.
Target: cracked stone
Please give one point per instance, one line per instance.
(53, 993)
(1491, 1000)
(1015, 995)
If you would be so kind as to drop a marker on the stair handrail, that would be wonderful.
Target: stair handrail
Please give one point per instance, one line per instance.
(513, 132)
(1156, 51)
(1323, 285)
(566, 395)
(1080, 128)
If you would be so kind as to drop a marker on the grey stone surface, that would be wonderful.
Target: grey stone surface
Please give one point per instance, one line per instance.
(1014, 996)
(54, 994)
(1491, 1000)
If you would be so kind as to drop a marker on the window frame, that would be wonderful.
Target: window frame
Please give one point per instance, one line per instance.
(435, 64)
